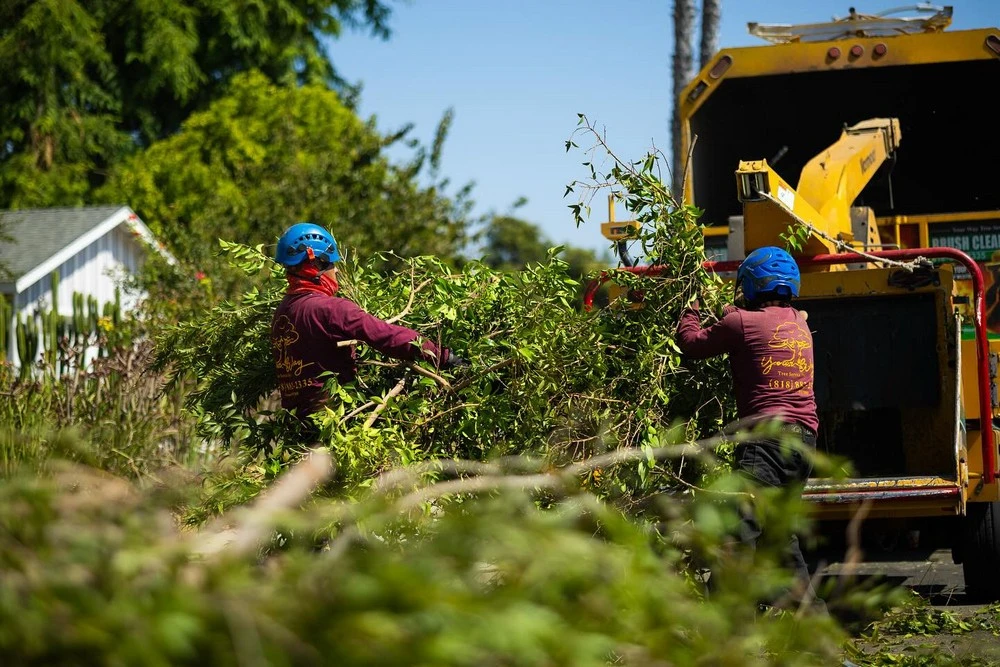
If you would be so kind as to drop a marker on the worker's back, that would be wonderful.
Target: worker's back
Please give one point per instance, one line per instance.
(773, 369)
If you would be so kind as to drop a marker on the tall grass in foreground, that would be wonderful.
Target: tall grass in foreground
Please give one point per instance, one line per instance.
(115, 405)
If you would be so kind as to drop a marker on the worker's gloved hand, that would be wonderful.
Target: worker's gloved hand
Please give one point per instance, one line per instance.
(452, 360)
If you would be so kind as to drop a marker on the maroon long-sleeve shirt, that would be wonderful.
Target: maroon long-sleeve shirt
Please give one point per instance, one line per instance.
(305, 331)
(770, 355)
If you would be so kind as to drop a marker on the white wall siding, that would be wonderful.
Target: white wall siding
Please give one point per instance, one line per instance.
(94, 272)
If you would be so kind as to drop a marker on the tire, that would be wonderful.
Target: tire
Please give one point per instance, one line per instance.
(981, 550)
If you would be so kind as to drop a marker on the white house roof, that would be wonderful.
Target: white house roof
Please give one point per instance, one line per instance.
(34, 242)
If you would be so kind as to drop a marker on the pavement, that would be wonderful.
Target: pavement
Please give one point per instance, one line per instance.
(928, 572)
(931, 574)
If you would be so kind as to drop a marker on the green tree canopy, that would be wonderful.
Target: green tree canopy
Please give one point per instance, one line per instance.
(85, 81)
(265, 156)
(512, 244)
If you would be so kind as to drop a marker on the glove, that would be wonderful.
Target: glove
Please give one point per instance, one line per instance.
(452, 360)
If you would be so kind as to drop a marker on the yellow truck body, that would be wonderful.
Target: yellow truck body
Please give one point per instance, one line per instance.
(880, 140)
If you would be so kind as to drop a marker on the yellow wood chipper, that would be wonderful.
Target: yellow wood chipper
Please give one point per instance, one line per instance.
(878, 135)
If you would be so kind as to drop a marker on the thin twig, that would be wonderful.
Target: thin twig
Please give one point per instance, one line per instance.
(740, 494)
(626, 166)
(486, 483)
(569, 442)
(413, 292)
(419, 370)
(854, 554)
(131, 461)
(253, 525)
(358, 411)
(494, 334)
(454, 468)
(809, 594)
(393, 393)
(687, 166)
(247, 647)
(495, 367)
(442, 413)
(632, 454)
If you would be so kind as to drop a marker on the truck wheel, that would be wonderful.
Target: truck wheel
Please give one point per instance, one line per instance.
(981, 550)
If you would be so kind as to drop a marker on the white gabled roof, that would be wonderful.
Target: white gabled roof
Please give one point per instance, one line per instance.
(42, 239)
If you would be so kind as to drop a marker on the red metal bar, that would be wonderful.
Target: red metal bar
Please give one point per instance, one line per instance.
(595, 284)
(907, 254)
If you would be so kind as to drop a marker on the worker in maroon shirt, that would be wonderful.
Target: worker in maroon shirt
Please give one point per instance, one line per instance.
(313, 331)
(770, 352)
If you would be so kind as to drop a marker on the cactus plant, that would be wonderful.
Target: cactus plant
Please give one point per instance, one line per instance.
(50, 327)
(21, 339)
(80, 333)
(93, 314)
(27, 343)
(54, 282)
(6, 313)
(116, 313)
(50, 343)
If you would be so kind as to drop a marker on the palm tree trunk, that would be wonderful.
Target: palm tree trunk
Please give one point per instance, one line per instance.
(684, 14)
(711, 14)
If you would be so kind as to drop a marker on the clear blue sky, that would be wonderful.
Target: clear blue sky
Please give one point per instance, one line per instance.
(517, 72)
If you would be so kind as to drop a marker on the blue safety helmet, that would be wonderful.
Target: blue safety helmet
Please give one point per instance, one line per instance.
(295, 245)
(768, 271)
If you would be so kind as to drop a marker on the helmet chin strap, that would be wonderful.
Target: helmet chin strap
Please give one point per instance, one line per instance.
(309, 271)
(311, 256)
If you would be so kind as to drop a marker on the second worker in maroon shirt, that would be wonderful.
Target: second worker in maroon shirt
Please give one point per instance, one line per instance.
(770, 352)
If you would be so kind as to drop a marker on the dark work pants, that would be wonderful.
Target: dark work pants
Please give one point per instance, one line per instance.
(770, 464)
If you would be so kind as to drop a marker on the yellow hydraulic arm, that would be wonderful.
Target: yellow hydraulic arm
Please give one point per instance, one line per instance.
(828, 186)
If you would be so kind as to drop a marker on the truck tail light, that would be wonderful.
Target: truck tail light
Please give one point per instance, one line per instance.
(857, 51)
(880, 50)
(833, 53)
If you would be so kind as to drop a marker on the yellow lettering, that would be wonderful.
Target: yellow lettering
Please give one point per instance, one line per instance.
(798, 363)
(284, 337)
(290, 365)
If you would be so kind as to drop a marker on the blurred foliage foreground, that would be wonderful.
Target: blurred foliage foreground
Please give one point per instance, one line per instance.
(556, 503)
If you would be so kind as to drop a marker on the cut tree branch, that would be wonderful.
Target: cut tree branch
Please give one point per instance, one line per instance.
(420, 370)
(393, 393)
(358, 411)
(413, 292)
(254, 524)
